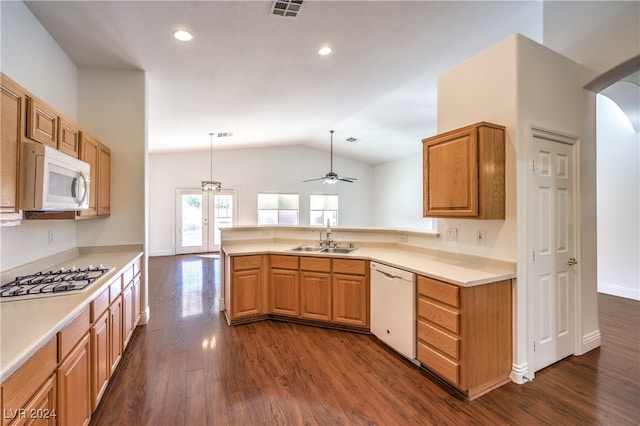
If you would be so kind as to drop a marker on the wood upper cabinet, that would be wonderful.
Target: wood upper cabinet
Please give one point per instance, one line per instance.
(247, 293)
(465, 333)
(12, 129)
(284, 285)
(464, 173)
(350, 292)
(42, 122)
(68, 137)
(99, 158)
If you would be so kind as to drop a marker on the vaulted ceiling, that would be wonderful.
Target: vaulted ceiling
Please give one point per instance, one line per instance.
(259, 76)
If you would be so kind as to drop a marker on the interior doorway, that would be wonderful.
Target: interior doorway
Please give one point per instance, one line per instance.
(552, 242)
(199, 216)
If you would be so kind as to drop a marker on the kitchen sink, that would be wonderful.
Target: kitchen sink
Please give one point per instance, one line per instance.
(318, 249)
(342, 250)
(307, 248)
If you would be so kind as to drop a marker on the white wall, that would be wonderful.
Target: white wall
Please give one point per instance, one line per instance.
(618, 165)
(33, 59)
(398, 195)
(519, 83)
(112, 108)
(276, 169)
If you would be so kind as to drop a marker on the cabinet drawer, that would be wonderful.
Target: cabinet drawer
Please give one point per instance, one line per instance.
(114, 290)
(322, 264)
(446, 343)
(442, 292)
(246, 262)
(23, 384)
(439, 364)
(127, 276)
(284, 262)
(345, 266)
(72, 333)
(99, 305)
(439, 315)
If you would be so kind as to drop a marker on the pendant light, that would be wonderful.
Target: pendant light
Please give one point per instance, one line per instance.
(211, 185)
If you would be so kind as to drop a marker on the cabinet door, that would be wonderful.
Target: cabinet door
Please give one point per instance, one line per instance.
(127, 314)
(115, 333)
(136, 301)
(41, 410)
(285, 292)
(104, 181)
(12, 125)
(100, 366)
(350, 300)
(246, 293)
(42, 123)
(89, 151)
(315, 293)
(68, 137)
(74, 386)
(451, 175)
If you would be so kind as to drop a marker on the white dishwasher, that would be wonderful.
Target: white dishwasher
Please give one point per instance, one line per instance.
(393, 308)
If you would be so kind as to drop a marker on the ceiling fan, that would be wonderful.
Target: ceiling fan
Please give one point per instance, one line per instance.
(331, 177)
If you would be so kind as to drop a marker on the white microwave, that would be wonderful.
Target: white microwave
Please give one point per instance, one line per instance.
(53, 180)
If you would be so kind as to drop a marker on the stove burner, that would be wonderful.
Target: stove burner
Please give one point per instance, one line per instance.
(60, 281)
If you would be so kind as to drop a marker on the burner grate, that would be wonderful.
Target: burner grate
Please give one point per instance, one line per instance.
(56, 282)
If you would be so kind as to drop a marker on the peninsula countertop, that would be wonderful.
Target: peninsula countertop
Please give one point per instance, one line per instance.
(26, 325)
(459, 269)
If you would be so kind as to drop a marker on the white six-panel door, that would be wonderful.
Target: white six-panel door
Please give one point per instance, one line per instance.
(552, 241)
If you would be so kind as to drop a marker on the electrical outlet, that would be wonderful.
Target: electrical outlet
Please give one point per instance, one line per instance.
(481, 237)
(50, 236)
(452, 234)
(267, 233)
(402, 238)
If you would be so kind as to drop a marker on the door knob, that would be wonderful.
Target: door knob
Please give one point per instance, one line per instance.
(572, 261)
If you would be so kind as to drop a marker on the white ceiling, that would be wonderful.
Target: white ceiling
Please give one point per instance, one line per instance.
(260, 77)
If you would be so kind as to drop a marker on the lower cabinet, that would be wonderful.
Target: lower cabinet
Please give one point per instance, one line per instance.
(74, 386)
(41, 410)
(351, 292)
(246, 293)
(465, 333)
(284, 285)
(315, 288)
(100, 365)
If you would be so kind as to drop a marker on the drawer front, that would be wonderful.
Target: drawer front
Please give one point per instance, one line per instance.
(439, 364)
(99, 305)
(437, 290)
(446, 343)
(284, 262)
(21, 385)
(114, 290)
(439, 315)
(321, 264)
(347, 266)
(72, 333)
(127, 276)
(246, 262)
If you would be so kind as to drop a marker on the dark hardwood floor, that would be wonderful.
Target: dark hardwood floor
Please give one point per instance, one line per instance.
(188, 367)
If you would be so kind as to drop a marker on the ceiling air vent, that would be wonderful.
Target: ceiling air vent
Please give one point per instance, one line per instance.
(286, 8)
(352, 140)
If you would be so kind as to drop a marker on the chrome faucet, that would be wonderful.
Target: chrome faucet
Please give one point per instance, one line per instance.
(320, 231)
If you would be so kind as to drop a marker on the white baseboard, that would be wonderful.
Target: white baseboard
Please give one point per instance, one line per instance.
(619, 290)
(590, 341)
(519, 373)
(153, 253)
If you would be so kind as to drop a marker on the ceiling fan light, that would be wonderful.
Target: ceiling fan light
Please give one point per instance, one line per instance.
(330, 181)
(183, 35)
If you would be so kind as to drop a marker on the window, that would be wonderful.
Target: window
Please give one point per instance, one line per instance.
(278, 209)
(323, 208)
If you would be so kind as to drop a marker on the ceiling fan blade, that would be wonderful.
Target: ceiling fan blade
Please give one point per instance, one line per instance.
(311, 180)
(350, 180)
(347, 178)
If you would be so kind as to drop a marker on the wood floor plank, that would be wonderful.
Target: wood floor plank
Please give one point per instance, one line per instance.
(188, 367)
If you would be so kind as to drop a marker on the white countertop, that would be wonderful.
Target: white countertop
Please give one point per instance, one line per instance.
(26, 325)
(462, 270)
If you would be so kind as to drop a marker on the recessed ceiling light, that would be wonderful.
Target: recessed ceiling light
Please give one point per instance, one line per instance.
(324, 51)
(183, 35)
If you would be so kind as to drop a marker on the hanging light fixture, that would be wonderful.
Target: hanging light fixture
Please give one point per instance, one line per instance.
(211, 185)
